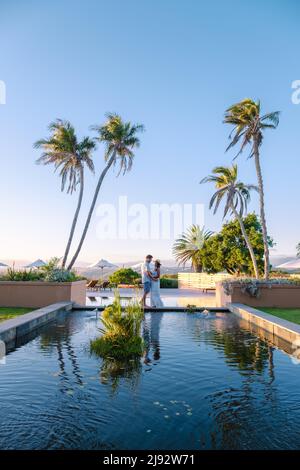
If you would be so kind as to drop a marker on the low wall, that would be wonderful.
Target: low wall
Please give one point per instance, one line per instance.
(200, 280)
(280, 295)
(12, 330)
(277, 327)
(39, 294)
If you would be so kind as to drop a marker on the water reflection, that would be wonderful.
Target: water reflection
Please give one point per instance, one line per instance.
(113, 371)
(151, 329)
(216, 384)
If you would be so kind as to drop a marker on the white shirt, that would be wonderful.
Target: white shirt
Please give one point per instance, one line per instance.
(146, 266)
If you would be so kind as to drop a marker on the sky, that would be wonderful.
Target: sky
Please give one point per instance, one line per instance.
(174, 66)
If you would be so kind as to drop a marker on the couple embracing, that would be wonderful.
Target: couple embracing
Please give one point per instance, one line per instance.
(151, 282)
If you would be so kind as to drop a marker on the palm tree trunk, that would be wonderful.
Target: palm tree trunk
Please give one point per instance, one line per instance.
(88, 220)
(75, 218)
(248, 243)
(262, 209)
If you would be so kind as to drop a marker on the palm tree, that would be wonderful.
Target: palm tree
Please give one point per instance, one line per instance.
(67, 154)
(120, 138)
(237, 196)
(248, 129)
(187, 248)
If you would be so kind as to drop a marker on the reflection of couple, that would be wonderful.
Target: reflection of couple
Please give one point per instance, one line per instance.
(151, 282)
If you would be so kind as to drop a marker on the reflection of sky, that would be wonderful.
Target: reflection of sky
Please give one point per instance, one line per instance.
(208, 300)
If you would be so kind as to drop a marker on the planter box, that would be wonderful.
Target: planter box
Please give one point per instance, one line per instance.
(285, 296)
(40, 294)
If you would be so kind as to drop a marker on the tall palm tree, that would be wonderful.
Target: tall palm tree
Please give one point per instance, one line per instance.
(236, 195)
(69, 156)
(187, 248)
(249, 125)
(120, 138)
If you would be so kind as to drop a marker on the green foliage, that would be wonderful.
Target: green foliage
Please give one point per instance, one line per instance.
(21, 275)
(227, 250)
(68, 155)
(53, 273)
(121, 331)
(124, 276)
(191, 308)
(188, 246)
(252, 286)
(120, 138)
(6, 313)
(168, 283)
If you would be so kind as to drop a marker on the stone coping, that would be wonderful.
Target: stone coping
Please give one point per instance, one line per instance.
(13, 329)
(40, 283)
(285, 329)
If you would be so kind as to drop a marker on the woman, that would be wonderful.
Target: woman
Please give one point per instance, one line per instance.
(155, 286)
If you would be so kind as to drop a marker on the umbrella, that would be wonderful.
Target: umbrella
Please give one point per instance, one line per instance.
(136, 266)
(103, 263)
(38, 263)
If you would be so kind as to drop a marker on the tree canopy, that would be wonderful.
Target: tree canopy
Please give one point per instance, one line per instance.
(124, 276)
(227, 250)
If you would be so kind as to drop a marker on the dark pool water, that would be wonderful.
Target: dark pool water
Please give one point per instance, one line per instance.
(205, 383)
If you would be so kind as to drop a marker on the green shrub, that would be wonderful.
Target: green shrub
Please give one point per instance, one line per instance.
(61, 275)
(51, 272)
(121, 331)
(168, 283)
(124, 276)
(22, 275)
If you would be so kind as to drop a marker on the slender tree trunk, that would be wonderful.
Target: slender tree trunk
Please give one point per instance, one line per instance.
(262, 209)
(248, 243)
(75, 218)
(88, 220)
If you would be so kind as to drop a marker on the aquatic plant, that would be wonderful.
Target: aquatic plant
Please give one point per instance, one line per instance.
(121, 331)
(191, 308)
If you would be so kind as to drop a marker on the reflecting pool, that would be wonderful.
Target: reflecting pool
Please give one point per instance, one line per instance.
(205, 382)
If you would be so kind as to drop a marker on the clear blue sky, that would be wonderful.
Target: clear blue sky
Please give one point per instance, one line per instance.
(173, 65)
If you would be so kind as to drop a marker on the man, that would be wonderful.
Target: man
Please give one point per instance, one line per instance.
(146, 277)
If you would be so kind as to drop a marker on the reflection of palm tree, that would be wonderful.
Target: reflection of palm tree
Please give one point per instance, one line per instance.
(61, 337)
(241, 350)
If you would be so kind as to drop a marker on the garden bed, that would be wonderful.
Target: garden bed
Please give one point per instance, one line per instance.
(259, 294)
(290, 314)
(7, 313)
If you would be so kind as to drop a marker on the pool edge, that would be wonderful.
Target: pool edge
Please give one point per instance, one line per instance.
(279, 327)
(13, 329)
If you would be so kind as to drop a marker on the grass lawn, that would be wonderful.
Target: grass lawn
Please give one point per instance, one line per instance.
(6, 313)
(291, 314)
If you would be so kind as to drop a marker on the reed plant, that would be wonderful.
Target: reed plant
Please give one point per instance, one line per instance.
(121, 330)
